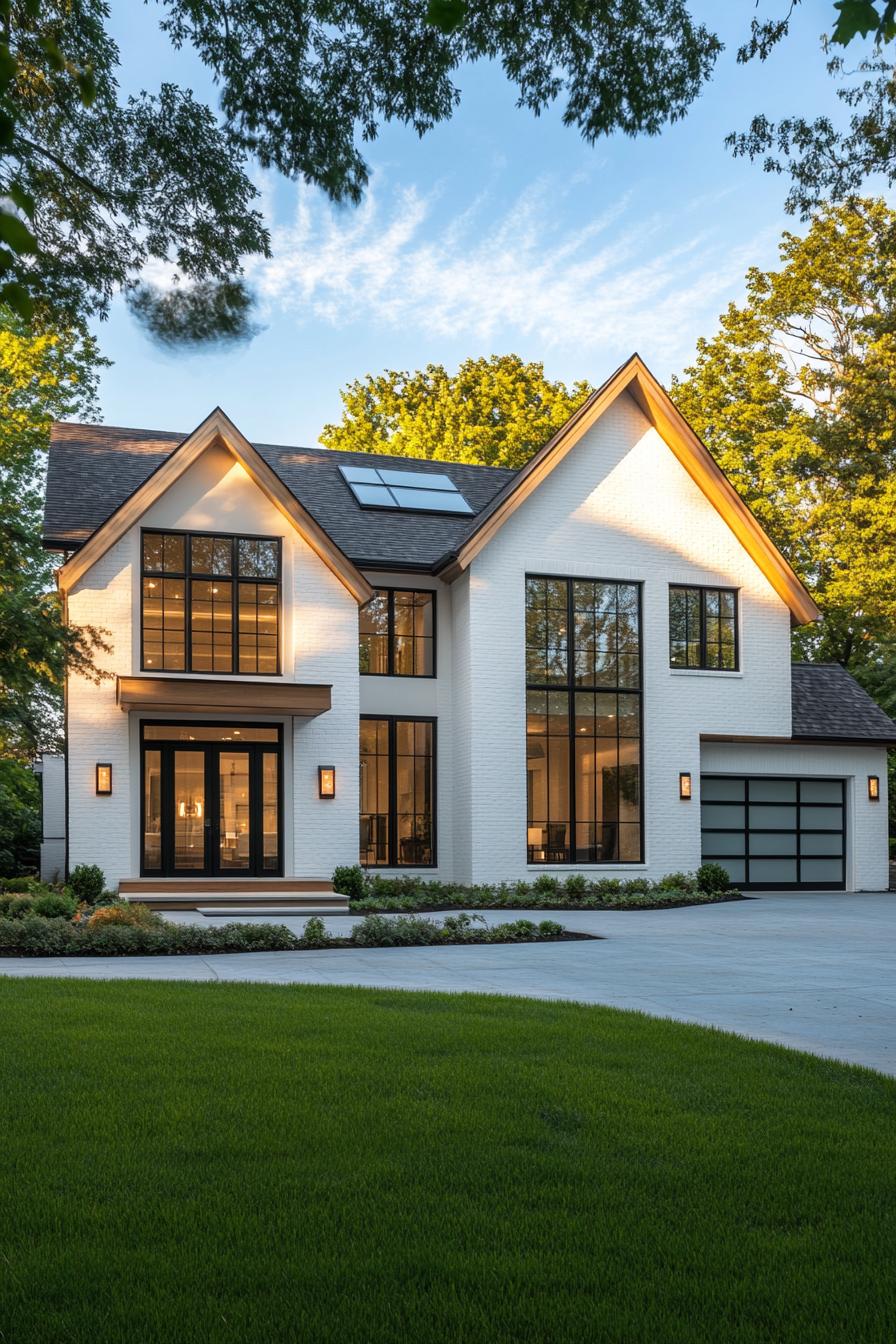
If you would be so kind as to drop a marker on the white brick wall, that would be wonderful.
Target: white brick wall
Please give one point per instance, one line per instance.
(620, 506)
(318, 644)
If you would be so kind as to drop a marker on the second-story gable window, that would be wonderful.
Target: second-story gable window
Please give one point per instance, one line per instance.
(703, 628)
(211, 603)
(397, 633)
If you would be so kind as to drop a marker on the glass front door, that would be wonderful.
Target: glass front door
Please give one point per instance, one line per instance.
(211, 800)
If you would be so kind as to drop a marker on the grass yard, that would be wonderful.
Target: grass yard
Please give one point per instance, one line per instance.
(212, 1162)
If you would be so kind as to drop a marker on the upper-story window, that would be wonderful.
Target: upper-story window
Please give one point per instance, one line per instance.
(398, 633)
(211, 603)
(703, 628)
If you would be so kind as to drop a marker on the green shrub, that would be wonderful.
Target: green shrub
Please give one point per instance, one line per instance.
(350, 882)
(712, 878)
(576, 886)
(17, 907)
(403, 931)
(549, 928)
(54, 904)
(677, 882)
(462, 926)
(315, 932)
(546, 885)
(23, 885)
(87, 882)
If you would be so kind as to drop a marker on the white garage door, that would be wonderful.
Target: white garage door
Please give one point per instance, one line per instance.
(776, 834)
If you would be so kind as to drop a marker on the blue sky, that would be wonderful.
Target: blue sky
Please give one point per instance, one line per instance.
(497, 232)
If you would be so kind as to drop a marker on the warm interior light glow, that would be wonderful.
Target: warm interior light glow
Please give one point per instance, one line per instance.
(684, 785)
(103, 779)
(326, 778)
(874, 788)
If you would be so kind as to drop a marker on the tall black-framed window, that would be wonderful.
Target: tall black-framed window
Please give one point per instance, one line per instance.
(210, 603)
(398, 792)
(583, 721)
(703, 628)
(398, 633)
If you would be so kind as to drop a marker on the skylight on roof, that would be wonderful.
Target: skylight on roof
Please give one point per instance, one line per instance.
(417, 491)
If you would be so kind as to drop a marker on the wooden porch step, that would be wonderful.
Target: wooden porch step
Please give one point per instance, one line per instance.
(337, 905)
(221, 886)
(284, 895)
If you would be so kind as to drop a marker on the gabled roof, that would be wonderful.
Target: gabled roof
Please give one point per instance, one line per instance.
(635, 378)
(216, 429)
(830, 705)
(92, 469)
(94, 472)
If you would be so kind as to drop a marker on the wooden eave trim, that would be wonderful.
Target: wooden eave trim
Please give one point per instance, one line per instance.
(801, 740)
(217, 428)
(211, 695)
(635, 378)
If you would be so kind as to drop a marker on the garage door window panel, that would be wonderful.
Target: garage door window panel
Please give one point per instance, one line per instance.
(792, 833)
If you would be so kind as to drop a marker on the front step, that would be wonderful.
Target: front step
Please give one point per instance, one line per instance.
(338, 905)
(285, 895)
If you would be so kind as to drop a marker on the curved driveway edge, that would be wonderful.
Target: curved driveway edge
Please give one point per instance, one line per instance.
(811, 971)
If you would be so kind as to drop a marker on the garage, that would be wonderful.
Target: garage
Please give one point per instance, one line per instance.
(773, 833)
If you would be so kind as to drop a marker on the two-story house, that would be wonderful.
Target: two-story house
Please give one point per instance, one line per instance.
(319, 658)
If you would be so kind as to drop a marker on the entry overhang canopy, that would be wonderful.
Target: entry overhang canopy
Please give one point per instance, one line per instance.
(212, 695)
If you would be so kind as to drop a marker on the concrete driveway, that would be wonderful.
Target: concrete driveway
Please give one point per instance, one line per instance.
(813, 971)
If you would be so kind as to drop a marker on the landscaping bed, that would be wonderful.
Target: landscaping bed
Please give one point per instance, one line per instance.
(266, 1164)
(119, 930)
(371, 892)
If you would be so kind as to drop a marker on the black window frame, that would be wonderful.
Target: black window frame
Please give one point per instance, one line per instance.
(390, 635)
(234, 579)
(570, 687)
(392, 720)
(702, 589)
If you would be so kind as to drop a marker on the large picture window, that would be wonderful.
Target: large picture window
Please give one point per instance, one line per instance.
(210, 603)
(398, 633)
(398, 792)
(583, 721)
(703, 628)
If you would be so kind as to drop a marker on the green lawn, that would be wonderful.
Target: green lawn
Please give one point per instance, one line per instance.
(223, 1162)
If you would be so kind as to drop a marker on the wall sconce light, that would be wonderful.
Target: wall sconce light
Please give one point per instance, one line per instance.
(104, 778)
(326, 781)
(874, 788)
(684, 785)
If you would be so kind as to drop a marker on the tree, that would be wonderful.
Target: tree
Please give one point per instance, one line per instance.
(102, 185)
(795, 398)
(42, 378)
(495, 412)
(20, 828)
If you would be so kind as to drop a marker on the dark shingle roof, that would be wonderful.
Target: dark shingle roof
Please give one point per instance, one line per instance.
(93, 469)
(828, 703)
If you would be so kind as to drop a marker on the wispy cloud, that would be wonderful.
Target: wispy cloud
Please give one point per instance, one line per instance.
(617, 280)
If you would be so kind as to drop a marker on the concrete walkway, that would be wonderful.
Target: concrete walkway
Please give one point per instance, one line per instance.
(813, 971)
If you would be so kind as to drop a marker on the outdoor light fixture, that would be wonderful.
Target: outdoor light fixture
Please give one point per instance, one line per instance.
(684, 785)
(326, 781)
(104, 778)
(874, 788)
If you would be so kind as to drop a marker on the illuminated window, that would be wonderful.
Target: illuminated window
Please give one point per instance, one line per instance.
(583, 721)
(210, 603)
(398, 633)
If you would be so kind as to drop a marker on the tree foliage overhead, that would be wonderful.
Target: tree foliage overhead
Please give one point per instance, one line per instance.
(42, 378)
(103, 185)
(495, 412)
(796, 398)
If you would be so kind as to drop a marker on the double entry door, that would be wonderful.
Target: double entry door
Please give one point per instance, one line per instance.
(212, 800)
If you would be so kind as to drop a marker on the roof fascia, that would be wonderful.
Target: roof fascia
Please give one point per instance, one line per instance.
(635, 378)
(216, 428)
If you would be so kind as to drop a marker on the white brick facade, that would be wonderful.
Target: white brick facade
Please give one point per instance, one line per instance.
(619, 507)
